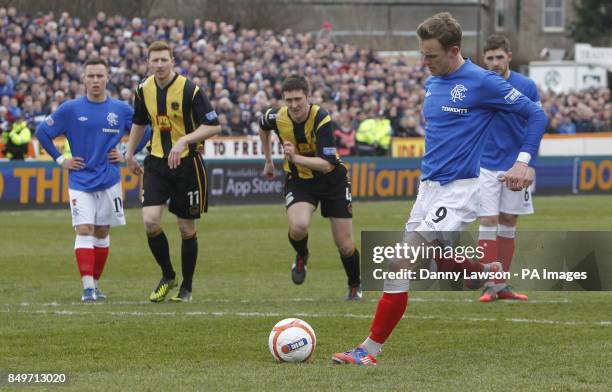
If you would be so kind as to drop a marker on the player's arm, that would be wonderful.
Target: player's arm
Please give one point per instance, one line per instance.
(207, 123)
(140, 120)
(136, 134)
(267, 122)
(500, 95)
(534, 96)
(313, 163)
(52, 127)
(327, 158)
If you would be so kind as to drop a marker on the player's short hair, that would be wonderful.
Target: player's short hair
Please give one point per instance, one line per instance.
(443, 27)
(296, 82)
(97, 61)
(158, 46)
(497, 41)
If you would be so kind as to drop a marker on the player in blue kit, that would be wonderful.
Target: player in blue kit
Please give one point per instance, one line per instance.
(461, 100)
(500, 206)
(93, 125)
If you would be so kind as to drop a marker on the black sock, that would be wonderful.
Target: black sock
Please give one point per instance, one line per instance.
(351, 267)
(300, 246)
(158, 243)
(189, 255)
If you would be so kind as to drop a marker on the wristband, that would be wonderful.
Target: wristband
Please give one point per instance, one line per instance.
(524, 157)
(60, 160)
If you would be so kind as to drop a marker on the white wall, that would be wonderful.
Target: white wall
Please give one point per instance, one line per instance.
(569, 146)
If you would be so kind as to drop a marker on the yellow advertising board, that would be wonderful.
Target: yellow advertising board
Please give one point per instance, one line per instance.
(407, 147)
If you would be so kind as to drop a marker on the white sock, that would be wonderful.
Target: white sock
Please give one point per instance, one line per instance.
(96, 283)
(372, 347)
(88, 282)
(487, 233)
(506, 231)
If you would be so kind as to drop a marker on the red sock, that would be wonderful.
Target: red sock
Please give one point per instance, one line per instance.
(101, 256)
(86, 259)
(505, 251)
(391, 308)
(489, 250)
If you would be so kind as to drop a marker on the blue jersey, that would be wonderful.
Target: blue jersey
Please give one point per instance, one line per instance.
(93, 129)
(458, 109)
(508, 130)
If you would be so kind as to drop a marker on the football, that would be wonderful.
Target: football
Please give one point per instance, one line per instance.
(292, 340)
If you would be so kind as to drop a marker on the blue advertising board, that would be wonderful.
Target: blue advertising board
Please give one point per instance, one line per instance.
(35, 184)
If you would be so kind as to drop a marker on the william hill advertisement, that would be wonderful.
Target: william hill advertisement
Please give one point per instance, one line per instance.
(37, 184)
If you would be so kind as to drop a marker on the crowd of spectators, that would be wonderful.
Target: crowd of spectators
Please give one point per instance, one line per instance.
(588, 111)
(240, 69)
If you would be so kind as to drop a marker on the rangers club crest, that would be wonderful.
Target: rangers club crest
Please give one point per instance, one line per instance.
(458, 92)
(112, 119)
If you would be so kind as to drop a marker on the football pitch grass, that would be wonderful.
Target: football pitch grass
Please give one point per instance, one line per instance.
(448, 341)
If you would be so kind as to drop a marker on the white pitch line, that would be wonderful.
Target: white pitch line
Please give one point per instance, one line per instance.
(64, 312)
(263, 301)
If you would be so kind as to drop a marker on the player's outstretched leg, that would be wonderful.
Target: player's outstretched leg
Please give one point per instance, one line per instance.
(391, 307)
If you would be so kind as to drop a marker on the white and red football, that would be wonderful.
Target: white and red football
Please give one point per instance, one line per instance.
(292, 340)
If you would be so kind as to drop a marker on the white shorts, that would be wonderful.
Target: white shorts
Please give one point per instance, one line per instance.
(495, 197)
(100, 208)
(440, 210)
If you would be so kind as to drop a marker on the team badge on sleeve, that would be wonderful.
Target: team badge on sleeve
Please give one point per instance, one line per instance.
(512, 96)
(329, 150)
(210, 116)
(49, 121)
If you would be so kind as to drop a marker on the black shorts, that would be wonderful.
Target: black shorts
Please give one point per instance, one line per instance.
(186, 187)
(333, 190)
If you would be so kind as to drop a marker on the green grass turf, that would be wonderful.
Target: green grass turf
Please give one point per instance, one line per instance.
(448, 341)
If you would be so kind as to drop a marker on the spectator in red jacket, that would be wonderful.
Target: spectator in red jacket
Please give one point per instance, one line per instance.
(344, 135)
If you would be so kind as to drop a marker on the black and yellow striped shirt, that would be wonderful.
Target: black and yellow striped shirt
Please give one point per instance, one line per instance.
(173, 111)
(311, 138)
